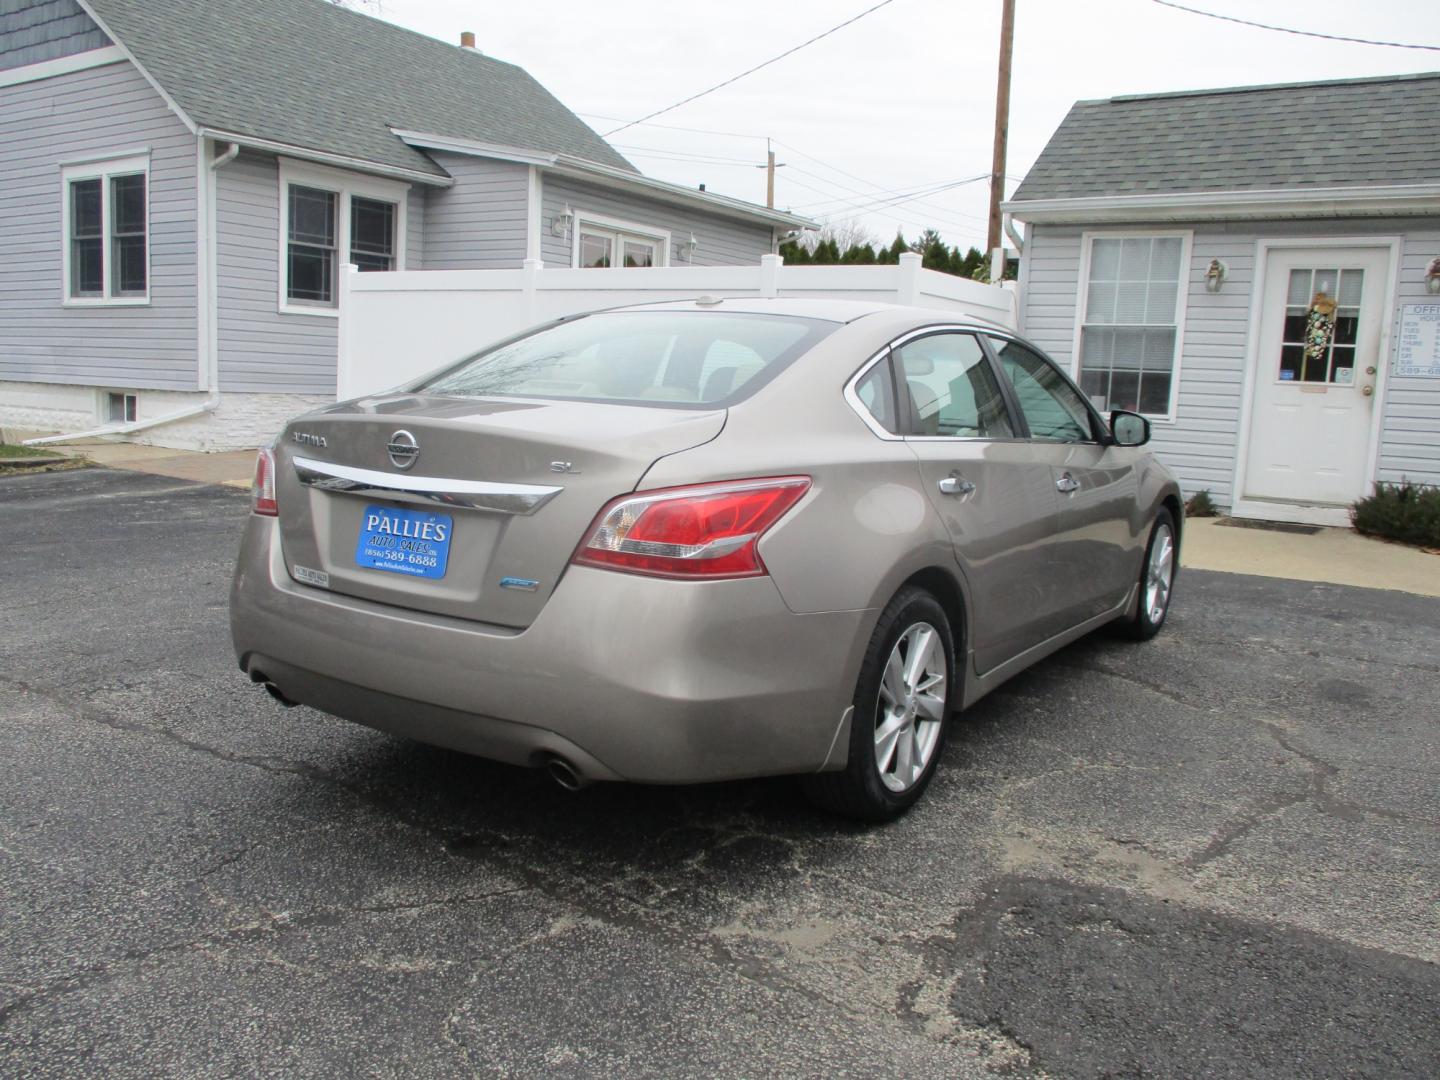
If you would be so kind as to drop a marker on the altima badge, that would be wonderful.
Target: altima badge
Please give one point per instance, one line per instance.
(304, 438)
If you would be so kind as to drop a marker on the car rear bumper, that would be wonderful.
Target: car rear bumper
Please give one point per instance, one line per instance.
(626, 677)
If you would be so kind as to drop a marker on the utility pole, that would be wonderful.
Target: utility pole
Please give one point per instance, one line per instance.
(993, 238)
(770, 168)
(769, 175)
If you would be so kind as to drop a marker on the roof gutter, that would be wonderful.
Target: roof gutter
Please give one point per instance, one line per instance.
(324, 157)
(609, 175)
(1202, 205)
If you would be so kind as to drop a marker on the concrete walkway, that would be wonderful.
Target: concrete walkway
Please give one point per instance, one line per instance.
(235, 468)
(1339, 556)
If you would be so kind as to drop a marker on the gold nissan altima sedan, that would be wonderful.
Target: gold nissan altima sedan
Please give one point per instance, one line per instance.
(703, 540)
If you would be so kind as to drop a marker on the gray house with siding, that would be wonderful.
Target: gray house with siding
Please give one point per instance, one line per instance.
(185, 181)
(1258, 270)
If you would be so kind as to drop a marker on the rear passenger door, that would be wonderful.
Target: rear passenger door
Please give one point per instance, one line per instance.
(1094, 481)
(998, 503)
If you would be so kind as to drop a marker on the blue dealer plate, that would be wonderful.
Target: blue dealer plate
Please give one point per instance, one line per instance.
(404, 541)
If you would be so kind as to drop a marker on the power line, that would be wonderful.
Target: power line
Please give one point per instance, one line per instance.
(1291, 30)
(947, 216)
(906, 218)
(751, 71)
(677, 127)
(910, 196)
(680, 155)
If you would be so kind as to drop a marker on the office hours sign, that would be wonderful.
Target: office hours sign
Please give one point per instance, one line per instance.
(1417, 351)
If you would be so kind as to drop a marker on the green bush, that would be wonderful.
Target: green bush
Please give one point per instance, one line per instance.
(1406, 512)
(1201, 505)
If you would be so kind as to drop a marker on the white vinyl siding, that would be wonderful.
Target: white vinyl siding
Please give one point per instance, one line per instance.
(1200, 441)
(87, 116)
(479, 223)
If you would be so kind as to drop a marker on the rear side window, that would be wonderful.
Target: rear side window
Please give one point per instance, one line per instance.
(876, 391)
(952, 389)
(676, 358)
(1052, 407)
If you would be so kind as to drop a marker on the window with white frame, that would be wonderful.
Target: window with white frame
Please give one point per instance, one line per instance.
(105, 211)
(1130, 330)
(330, 219)
(601, 243)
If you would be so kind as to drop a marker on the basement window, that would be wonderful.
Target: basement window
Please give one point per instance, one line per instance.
(105, 215)
(121, 408)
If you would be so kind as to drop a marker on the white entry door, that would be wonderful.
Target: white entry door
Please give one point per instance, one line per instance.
(1314, 403)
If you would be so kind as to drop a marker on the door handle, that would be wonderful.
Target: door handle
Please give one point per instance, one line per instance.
(1367, 390)
(1067, 484)
(956, 485)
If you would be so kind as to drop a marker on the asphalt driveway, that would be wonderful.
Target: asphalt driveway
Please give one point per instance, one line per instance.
(1215, 854)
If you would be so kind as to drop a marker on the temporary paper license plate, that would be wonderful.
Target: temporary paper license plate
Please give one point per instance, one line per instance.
(404, 541)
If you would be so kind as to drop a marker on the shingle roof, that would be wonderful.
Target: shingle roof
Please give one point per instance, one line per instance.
(309, 74)
(1305, 135)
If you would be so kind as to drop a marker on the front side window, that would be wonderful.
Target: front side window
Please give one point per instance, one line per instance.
(106, 252)
(1130, 331)
(1053, 410)
(332, 219)
(951, 388)
(689, 359)
(601, 245)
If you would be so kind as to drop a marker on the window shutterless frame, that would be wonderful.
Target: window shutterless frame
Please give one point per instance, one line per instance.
(901, 391)
(346, 187)
(1082, 301)
(103, 173)
(618, 232)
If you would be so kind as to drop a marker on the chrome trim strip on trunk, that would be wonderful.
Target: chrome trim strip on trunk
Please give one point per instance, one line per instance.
(474, 494)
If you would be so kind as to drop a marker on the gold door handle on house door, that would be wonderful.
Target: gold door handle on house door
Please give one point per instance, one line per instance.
(1367, 390)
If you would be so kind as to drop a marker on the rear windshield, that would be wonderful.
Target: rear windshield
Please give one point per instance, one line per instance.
(675, 358)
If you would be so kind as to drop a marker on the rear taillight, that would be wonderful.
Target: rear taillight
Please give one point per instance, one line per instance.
(263, 489)
(706, 531)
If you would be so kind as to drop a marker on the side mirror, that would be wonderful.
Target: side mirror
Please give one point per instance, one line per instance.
(1129, 429)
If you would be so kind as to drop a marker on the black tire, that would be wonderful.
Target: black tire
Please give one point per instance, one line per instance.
(858, 791)
(1144, 625)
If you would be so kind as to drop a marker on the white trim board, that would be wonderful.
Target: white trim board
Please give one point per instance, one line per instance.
(1230, 205)
(63, 65)
(1266, 509)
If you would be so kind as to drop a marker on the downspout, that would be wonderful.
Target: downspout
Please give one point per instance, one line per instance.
(212, 360)
(1015, 237)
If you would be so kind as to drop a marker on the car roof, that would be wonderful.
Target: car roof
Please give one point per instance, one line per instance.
(840, 311)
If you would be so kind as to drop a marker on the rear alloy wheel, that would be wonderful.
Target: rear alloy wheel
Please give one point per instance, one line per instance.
(902, 704)
(1157, 580)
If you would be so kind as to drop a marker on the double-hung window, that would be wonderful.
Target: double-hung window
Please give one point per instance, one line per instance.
(1133, 301)
(105, 210)
(600, 242)
(331, 219)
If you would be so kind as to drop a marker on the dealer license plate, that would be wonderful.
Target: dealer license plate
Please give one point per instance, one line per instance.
(404, 541)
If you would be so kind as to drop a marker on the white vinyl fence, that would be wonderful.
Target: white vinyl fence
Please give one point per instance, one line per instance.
(397, 326)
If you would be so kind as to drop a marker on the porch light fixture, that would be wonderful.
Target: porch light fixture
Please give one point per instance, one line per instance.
(1215, 275)
(560, 224)
(1432, 277)
(687, 247)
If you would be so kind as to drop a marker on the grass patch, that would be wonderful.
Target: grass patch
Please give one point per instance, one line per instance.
(1409, 513)
(12, 450)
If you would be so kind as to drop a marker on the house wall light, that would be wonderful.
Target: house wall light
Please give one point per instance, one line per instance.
(1215, 275)
(687, 248)
(560, 223)
(1432, 277)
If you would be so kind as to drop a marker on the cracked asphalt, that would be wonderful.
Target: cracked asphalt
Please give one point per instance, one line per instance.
(1214, 854)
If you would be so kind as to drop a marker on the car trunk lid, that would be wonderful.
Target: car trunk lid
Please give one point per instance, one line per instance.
(481, 521)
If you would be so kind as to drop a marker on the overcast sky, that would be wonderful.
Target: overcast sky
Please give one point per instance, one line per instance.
(904, 99)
